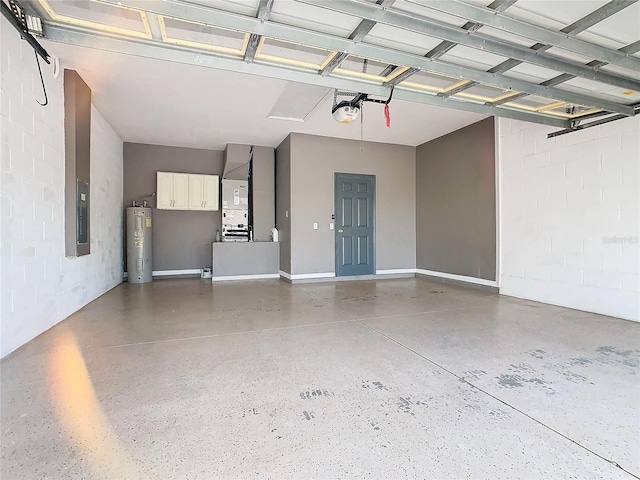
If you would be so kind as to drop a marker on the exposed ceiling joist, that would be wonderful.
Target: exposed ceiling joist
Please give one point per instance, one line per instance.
(444, 46)
(334, 63)
(564, 77)
(602, 13)
(631, 48)
(279, 31)
(154, 27)
(264, 10)
(578, 26)
(156, 50)
(361, 31)
(358, 34)
(549, 38)
(475, 40)
(458, 89)
(401, 77)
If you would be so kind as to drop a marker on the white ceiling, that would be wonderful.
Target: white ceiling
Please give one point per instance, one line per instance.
(163, 103)
(194, 73)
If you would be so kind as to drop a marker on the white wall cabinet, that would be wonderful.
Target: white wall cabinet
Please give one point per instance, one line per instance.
(203, 192)
(187, 191)
(211, 191)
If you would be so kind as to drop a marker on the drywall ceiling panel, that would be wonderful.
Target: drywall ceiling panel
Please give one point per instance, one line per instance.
(622, 27)
(195, 32)
(481, 3)
(277, 51)
(472, 57)
(426, 79)
(415, 9)
(102, 13)
(600, 90)
(533, 101)
(557, 14)
(400, 39)
(600, 40)
(506, 36)
(532, 73)
(356, 64)
(243, 7)
(313, 18)
(486, 91)
(575, 57)
(622, 71)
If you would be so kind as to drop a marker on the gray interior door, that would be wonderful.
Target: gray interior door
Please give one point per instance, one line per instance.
(354, 225)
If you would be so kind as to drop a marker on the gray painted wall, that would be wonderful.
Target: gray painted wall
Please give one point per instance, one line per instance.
(314, 160)
(181, 239)
(264, 213)
(245, 258)
(77, 139)
(283, 202)
(456, 202)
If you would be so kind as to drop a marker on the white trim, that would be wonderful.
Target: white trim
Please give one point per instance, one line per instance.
(285, 275)
(497, 143)
(460, 278)
(245, 277)
(396, 271)
(168, 273)
(306, 276)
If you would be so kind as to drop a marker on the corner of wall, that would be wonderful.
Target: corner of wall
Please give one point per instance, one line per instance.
(40, 286)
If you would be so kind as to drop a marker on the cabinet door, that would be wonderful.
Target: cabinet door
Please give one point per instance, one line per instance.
(164, 190)
(211, 192)
(181, 191)
(196, 188)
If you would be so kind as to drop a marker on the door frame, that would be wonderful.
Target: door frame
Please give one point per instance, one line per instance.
(335, 225)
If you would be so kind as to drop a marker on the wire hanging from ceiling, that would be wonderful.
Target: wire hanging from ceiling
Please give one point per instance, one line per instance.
(18, 20)
(44, 89)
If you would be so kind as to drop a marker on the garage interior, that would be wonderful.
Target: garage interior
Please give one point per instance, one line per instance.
(438, 275)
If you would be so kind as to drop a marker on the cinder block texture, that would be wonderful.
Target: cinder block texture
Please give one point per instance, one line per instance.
(572, 205)
(39, 285)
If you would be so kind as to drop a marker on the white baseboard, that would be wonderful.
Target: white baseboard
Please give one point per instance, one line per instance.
(285, 275)
(460, 278)
(396, 271)
(308, 276)
(245, 277)
(169, 273)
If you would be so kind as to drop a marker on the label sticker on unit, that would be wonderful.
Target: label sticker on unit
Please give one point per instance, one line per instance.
(148, 222)
(138, 241)
(236, 196)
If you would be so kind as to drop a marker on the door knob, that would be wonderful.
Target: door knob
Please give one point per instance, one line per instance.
(340, 231)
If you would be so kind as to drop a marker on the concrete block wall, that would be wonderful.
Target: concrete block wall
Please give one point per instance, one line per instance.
(39, 285)
(570, 216)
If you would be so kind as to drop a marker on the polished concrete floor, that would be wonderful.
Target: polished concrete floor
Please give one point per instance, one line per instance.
(403, 378)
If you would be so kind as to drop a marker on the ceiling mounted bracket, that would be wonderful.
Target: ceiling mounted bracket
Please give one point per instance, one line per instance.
(575, 124)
